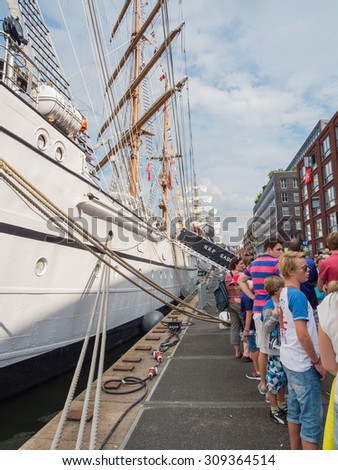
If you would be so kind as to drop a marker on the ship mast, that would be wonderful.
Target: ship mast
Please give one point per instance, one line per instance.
(135, 142)
(164, 183)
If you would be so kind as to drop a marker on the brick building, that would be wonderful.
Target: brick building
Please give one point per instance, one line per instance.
(318, 177)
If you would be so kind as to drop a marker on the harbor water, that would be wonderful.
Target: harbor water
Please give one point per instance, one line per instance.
(26, 413)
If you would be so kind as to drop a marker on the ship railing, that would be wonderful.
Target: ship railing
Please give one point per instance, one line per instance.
(17, 70)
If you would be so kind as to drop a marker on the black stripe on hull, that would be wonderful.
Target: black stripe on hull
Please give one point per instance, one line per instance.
(23, 232)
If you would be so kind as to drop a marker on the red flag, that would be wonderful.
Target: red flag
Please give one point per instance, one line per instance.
(163, 77)
(308, 176)
(170, 181)
(148, 171)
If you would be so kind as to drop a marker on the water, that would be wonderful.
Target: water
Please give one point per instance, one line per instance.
(25, 414)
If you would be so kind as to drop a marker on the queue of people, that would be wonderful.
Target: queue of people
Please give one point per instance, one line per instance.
(290, 333)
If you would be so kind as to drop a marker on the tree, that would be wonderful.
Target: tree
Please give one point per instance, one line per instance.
(271, 173)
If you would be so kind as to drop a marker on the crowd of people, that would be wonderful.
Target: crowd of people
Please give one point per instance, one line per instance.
(283, 308)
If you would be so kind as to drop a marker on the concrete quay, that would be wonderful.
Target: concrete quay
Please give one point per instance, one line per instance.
(199, 400)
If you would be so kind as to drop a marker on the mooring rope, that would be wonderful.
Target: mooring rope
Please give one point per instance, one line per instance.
(62, 218)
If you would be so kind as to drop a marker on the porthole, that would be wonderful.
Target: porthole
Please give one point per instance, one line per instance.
(40, 267)
(42, 139)
(41, 142)
(59, 153)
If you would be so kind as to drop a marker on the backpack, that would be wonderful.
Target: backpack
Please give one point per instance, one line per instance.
(221, 296)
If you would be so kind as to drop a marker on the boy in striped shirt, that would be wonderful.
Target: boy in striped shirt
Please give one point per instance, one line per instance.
(258, 270)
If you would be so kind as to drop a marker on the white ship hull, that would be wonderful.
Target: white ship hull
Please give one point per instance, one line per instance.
(45, 312)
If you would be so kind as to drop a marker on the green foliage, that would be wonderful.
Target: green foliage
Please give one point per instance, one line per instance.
(271, 173)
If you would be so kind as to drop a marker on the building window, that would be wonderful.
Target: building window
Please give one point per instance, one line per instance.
(307, 231)
(318, 228)
(304, 192)
(325, 147)
(328, 172)
(315, 183)
(295, 183)
(283, 184)
(284, 197)
(298, 225)
(296, 197)
(285, 211)
(316, 209)
(319, 246)
(332, 222)
(330, 197)
(306, 212)
(297, 212)
(286, 225)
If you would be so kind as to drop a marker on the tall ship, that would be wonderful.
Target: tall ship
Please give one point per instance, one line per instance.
(92, 188)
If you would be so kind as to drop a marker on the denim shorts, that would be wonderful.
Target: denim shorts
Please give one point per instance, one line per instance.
(252, 343)
(305, 403)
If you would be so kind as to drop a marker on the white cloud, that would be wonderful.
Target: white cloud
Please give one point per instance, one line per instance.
(262, 74)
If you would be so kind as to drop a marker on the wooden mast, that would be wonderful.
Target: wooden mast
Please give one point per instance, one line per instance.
(135, 142)
(164, 183)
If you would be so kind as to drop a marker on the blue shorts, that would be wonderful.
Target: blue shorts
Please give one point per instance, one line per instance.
(276, 377)
(252, 343)
(305, 403)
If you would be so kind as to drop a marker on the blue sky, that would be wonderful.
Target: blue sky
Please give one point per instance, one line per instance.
(265, 72)
(262, 74)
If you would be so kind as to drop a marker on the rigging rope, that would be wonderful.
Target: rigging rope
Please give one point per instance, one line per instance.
(71, 224)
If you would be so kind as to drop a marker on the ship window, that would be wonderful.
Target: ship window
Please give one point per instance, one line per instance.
(41, 142)
(40, 267)
(59, 154)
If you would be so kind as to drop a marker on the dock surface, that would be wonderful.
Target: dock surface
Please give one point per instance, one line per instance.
(201, 399)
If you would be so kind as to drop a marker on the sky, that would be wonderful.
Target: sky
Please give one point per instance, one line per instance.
(262, 73)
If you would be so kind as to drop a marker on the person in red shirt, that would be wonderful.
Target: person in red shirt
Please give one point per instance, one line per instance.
(328, 267)
(236, 266)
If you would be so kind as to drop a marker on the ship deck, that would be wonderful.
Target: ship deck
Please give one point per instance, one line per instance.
(200, 399)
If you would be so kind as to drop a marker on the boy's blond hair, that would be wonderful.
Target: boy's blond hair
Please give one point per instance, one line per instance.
(332, 287)
(272, 284)
(289, 262)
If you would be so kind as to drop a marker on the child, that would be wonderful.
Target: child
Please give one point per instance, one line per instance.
(250, 334)
(276, 378)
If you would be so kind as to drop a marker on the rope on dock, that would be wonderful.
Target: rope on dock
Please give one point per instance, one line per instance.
(72, 389)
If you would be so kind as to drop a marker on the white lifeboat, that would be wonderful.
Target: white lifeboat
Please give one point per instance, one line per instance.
(58, 110)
